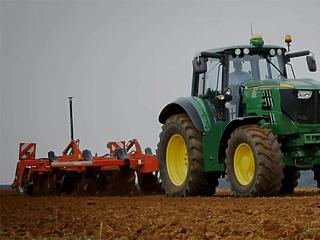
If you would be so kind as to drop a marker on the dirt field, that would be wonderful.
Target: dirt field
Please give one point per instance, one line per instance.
(222, 216)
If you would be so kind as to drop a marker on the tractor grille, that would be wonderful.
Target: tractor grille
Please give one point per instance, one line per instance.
(305, 111)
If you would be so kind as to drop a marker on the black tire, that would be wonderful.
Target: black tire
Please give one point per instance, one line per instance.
(196, 181)
(290, 180)
(268, 166)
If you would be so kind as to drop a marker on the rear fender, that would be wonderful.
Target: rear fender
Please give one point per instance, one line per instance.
(194, 107)
(202, 114)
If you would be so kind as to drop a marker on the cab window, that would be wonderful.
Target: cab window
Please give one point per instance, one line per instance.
(212, 79)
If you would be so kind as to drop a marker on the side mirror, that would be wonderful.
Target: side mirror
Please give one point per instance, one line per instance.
(199, 65)
(311, 62)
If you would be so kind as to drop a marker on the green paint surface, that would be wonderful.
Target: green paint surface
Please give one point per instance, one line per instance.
(213, 131)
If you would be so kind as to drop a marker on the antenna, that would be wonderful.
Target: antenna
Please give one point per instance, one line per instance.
(71, 118)
(251, 28)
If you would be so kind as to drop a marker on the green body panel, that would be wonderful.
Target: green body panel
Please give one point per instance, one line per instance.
(211, 146)
(204, 111)
(213, 131)
(300, 142)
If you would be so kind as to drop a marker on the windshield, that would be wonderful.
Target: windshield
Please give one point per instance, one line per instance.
(252, 67)
(255, 67)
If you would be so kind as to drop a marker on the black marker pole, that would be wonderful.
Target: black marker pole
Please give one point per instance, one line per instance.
(71, 117)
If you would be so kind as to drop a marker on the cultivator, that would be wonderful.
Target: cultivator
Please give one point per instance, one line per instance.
(79, 172)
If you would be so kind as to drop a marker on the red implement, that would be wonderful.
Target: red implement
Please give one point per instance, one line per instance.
(77, 170)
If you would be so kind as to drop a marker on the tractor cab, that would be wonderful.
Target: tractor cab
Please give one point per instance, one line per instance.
(230, 69)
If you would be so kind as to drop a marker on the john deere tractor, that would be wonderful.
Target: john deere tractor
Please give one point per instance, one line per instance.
(245, 119)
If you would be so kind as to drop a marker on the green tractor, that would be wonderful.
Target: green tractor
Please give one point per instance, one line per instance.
(245, 119)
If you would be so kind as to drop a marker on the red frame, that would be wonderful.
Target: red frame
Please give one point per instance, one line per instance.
(140, 162)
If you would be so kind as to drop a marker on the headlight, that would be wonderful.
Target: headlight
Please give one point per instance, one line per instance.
(279, 52)
(272, 52)
(304, 94)
(237, 51)
(246, 51)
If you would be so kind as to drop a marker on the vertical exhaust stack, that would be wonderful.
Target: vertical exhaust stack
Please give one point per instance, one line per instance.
(71, 117)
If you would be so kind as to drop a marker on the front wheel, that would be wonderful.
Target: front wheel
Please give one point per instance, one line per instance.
(253, 161)
(181, 159)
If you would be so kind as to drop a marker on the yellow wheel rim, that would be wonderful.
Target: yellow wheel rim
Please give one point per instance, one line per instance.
(177, 159)
(244, 165)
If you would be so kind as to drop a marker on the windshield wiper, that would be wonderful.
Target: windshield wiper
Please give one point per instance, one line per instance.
(268, 60)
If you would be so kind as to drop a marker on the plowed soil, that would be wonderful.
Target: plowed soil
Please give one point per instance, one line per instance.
(222, 216)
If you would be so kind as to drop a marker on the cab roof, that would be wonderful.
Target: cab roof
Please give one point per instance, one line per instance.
(224, 49)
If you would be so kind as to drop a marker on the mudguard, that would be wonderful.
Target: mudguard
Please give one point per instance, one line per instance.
(230, 127)
(202, 114)
(237, 122)
(182, 105)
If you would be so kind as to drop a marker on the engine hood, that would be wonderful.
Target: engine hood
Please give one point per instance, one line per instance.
(298, 83)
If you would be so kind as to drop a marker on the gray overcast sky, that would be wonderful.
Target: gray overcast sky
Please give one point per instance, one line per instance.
(122, 61)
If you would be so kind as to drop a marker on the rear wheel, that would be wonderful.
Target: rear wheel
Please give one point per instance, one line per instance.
(290, 180)
(181, 159)
(253, 161)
